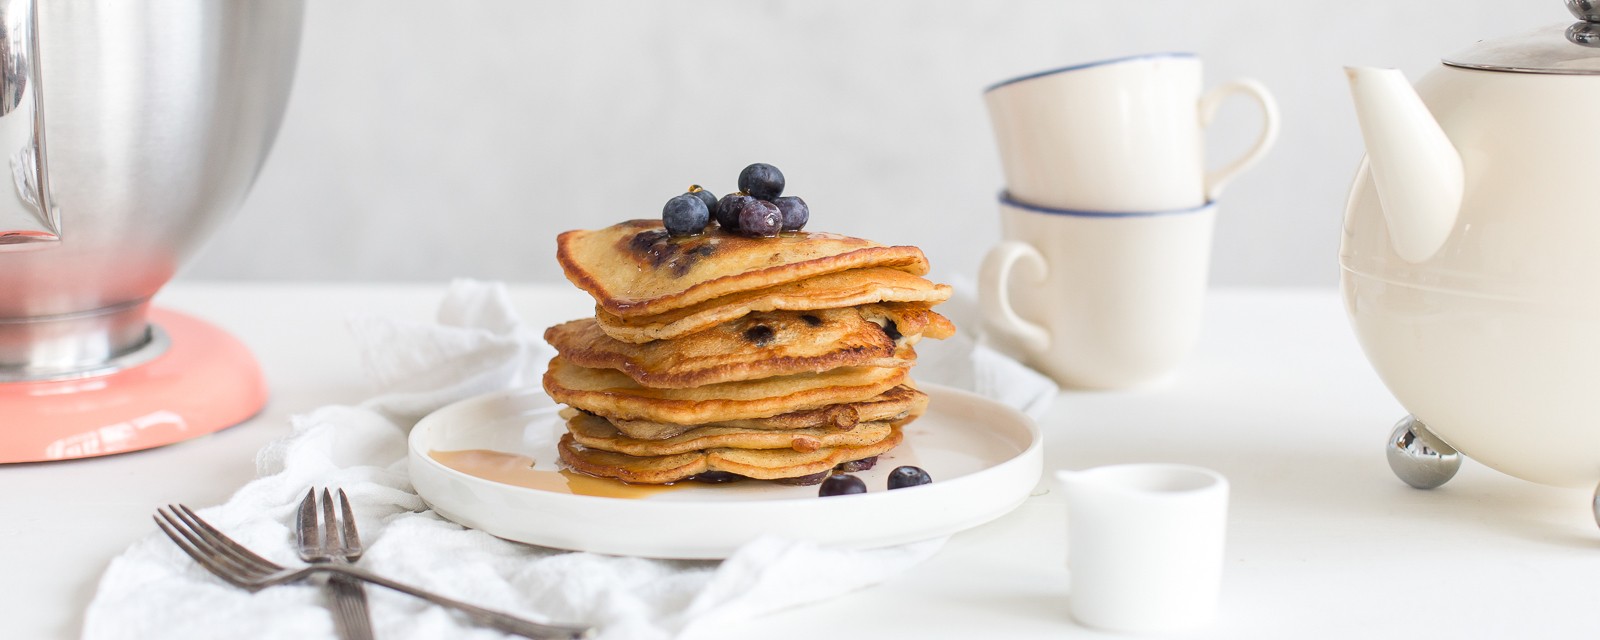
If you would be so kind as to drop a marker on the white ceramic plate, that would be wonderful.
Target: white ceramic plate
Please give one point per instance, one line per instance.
(984, 457)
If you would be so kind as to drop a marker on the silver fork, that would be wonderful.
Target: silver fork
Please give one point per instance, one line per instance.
(334, 540)
(242, 568)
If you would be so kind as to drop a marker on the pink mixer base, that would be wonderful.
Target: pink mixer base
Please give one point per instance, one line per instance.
(205, 382)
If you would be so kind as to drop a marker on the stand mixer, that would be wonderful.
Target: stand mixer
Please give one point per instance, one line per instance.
(132, 130)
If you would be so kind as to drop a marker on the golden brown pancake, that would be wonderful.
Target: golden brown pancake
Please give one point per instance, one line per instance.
(828, 291)
(636, 269)
(895, 405)
(764, 464)
(759, 345)
(609, 392)
(595, 432)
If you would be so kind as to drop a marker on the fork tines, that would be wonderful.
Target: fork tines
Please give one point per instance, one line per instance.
(216, 552)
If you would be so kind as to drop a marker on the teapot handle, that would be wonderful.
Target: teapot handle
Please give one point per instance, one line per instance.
(1216, 180)
(29, 219)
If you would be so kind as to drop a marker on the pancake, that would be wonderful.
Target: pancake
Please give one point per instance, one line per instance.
(759, 345)
(894, 405)
(763, 464)
(609, 392)
(635, 269)
(829, 291)
(595, 432)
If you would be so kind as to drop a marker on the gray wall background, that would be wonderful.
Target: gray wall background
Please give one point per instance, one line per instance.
(429, 140)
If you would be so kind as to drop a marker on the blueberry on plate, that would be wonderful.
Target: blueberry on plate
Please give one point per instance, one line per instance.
(840, 485)
(762, 181)
(685, 215)
(727, 211)
(759, 219)
(908, 476)
(795, 212)
(704, 196)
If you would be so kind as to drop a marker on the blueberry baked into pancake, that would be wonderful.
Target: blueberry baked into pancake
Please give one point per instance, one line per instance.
(728, 343)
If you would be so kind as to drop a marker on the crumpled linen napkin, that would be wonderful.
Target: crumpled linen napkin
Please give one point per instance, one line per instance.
(477, 346)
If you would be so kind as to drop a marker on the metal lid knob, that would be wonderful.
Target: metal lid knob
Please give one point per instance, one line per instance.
(1572, 48)
(1585, 10)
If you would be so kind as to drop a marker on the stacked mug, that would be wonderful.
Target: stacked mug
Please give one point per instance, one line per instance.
(1107, 216)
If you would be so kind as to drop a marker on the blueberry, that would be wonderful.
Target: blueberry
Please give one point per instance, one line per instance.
(795, 212)
(762, 181)
(908, 476)
(840, 485)
(759, 219)
(727, 210)
(716, 477)
(864, 464)
(761, 335)
(892, 330)
(704, 196)
(808, 479)
(685, 215)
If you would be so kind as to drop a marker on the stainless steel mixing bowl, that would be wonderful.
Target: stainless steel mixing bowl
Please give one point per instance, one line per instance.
(132, 129)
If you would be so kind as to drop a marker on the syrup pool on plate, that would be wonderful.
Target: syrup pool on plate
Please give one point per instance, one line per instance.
(517, 470)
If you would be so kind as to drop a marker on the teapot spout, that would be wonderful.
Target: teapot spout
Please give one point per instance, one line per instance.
(1416, 171)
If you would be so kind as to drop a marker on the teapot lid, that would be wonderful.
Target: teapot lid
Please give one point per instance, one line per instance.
(1559, 49)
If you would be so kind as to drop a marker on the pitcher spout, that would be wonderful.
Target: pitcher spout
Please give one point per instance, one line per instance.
(1416, 171)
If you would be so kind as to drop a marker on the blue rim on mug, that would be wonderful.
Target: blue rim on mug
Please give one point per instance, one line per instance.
(1086, 65)
(1006, 199)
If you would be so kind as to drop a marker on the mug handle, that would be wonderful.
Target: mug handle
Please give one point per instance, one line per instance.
(1218, 179)
(994, 295)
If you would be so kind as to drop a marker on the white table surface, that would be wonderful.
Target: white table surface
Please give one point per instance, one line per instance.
(1324, 542)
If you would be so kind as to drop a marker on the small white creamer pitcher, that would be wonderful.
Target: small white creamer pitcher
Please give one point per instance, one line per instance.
(1145, 545)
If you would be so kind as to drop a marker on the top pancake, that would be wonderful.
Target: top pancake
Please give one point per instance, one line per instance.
(635, 269)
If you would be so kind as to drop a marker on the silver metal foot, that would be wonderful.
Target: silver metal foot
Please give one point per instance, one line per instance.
(1424, 461)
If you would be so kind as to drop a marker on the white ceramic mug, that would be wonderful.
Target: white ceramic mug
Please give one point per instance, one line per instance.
(1145, 545)
(1118, 135)
(1101, 301)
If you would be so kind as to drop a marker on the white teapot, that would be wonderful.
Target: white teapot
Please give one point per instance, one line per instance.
(1471, 255)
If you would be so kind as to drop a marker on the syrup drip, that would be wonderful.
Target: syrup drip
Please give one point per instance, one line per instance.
(512, 469)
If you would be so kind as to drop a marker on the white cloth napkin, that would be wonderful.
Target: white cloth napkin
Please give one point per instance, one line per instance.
(477, 346)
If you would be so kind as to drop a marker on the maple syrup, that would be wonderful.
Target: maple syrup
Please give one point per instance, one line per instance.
(517, 470)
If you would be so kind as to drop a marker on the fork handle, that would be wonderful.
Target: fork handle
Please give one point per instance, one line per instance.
(488, 617)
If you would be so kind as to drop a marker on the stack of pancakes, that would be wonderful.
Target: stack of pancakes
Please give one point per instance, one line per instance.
(719, 356)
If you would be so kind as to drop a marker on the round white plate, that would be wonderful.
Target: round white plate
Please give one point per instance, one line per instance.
(985, 459)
